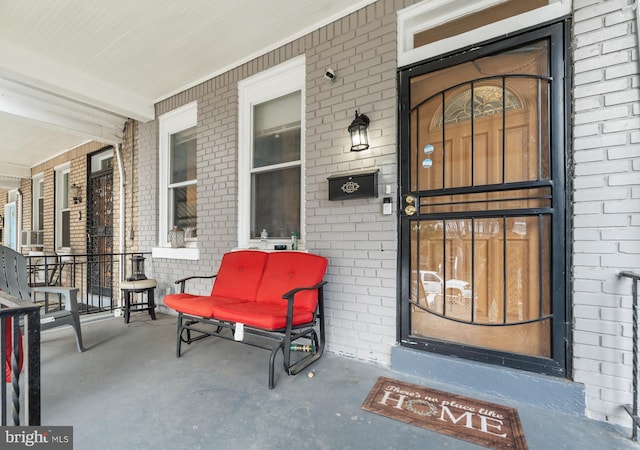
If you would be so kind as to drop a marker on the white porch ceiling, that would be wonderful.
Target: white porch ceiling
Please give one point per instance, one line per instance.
(75, 70)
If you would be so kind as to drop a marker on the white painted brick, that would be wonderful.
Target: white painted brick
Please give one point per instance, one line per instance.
(600, 141)
(611, 126)
(631, 247)
(610, 167)
(620, 16)
(629, 234)
(586, 182)
(597, 326)
(602, 114)
(588, 312)
(626, 42)
(600, 194)
(629, 151)
(586, 365)
(595, 247)
(579, 4)
(616, 207)
(595, 352)
(605, 87)
(596, 299)
(619, 261)
(584, 52)
(584, 27)
(624, 179)
(588, 129)
(586, 103)
(599, 9)
(616, 98)
(616, 396)
(586, 234)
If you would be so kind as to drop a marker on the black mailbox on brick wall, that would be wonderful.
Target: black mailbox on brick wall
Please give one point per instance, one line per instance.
(353, 185)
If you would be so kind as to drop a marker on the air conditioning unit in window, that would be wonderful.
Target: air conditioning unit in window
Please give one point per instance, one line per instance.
(32, 238)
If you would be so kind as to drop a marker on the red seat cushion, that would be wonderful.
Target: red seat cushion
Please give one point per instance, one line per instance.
(260, 315)
(197, 305)
(240, 274)
(287, 270)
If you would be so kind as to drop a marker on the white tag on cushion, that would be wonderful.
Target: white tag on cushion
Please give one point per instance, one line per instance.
(238, 334)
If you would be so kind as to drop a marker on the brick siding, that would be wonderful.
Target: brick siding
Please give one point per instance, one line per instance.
(606, 209)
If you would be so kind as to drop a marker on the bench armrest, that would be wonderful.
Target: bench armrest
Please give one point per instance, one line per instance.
(182, 281)
(290, 294)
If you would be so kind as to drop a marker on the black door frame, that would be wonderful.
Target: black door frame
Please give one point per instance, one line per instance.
(100, 265)
(558, 33)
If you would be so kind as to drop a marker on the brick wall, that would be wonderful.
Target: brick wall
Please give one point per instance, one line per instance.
(146, 194)
(606, 206)
(359, 241)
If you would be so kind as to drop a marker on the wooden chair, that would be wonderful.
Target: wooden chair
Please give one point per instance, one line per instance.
(13, 280)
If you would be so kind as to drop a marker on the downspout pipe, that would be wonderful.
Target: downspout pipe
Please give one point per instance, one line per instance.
(18, 230)
(121, 238)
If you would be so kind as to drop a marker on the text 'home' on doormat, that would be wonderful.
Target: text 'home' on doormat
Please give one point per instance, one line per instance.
(487, 424)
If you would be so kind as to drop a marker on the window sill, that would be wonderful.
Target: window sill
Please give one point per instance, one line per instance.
(271, 248)
(176, 253)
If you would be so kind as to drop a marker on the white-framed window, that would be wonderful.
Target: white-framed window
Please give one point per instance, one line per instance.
(178, 173)
(63, 213)
(271, 154)
(37, 209)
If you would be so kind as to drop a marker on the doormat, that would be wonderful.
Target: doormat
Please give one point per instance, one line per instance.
(487, 424)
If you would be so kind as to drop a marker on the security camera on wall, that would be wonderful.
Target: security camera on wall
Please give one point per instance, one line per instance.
(330, 75)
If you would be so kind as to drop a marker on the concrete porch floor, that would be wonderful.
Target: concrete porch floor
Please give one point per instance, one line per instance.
(129, 391)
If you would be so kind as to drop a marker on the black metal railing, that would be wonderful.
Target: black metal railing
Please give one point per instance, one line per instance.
(633, 409)
(18, 318)
(97, 276)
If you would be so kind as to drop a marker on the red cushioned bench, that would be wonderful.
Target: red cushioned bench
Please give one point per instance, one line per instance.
(274, 298)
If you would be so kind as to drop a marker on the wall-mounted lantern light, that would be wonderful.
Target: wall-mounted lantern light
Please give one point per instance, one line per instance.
(74, 193)
(358, 131)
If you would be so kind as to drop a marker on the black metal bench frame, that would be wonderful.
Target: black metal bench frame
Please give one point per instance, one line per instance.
(283, 339)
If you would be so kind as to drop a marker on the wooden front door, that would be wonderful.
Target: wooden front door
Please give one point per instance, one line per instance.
(482, 207)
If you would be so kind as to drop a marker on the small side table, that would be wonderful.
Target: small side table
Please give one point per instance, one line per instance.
(147, 286)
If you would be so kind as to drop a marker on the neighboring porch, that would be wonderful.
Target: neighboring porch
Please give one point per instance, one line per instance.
(128, 390)
(97, 276)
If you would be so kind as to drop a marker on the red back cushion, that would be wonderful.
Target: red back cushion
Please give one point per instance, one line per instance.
(240, 274)
(288, 270)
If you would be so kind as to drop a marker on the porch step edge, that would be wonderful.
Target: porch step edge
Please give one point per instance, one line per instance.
(529, 388)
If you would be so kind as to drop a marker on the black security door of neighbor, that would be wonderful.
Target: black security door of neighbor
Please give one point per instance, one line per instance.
(100, 238)
(483, 226)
